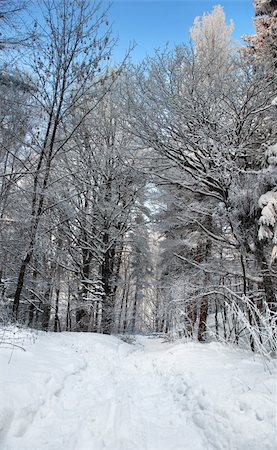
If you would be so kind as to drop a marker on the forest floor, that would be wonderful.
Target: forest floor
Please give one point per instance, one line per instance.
(74, 391)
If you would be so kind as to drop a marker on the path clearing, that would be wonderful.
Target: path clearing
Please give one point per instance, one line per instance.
(93, 392)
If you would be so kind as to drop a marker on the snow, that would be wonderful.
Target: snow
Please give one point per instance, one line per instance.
(268, 204)
(271, 157)
(88, 391)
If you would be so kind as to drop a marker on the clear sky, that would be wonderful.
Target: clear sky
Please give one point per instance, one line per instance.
(153, 23)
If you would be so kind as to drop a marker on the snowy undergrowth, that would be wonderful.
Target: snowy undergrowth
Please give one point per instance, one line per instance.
(86, 391)
(15, 337)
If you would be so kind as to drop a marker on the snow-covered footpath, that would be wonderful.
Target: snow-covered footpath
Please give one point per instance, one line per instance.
(88, 391)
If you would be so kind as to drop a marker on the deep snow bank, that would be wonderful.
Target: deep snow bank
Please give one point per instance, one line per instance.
(88, 391)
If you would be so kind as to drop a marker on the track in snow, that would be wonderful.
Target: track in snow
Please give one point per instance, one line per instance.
(94, 392)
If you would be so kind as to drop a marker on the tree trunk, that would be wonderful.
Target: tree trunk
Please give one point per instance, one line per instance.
(45, 317)
(135, 306)
(203, 319)
(192, 316)
(203, 313)
(82, 320)
(216, 320)
(68, 315)
(267, 279)
(20, 284)
(107, 275)
(32, 305)
(57, 326)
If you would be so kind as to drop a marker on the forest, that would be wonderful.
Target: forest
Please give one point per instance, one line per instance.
(138, 198)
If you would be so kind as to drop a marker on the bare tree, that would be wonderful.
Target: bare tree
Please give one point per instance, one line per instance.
(69, 54)
(12, 34)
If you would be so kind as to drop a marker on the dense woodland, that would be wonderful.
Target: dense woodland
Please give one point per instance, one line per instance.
(138, 198)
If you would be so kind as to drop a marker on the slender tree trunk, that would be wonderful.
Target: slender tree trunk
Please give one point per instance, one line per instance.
(125, 294)
(203, 314)
(156, 319)
(68, 315)
(134, 315)
(192, 315)
(125, 321)
(57, 326)
(45, 317)
(118, 262)
(107, 275)
(252, 344)
(20, 284)
(267, 279)
(224, 321)
(216, 319)
(135, 306)
(121, 310)
(204, 306)
(98, 316)
(32, 305)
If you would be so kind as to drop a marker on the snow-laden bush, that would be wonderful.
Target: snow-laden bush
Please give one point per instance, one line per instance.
(16, 337)
(259, 325)
(250, 327)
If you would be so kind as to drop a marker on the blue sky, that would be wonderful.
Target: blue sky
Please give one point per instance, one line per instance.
(153, 23)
